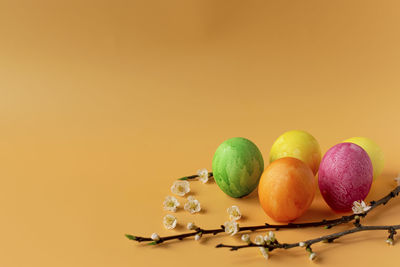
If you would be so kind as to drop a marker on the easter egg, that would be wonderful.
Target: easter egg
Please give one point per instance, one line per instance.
(237, 166)
(286, 189)
(374, 152)
(345, 176)
(297, 144)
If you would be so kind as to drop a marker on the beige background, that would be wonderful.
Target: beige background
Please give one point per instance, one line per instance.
(104, 103)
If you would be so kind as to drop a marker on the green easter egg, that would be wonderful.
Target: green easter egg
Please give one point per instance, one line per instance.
(237, 166)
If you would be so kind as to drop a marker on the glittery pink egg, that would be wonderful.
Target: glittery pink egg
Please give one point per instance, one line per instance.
(345, 176)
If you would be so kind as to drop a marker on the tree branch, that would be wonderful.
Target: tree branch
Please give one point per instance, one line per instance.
(308, 243)
(192, 177)
(327, 223)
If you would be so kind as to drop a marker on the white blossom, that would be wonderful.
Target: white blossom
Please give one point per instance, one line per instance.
(234, 213)
(264, 252)
(259, 240)
(360, 207)
(270, 237)
(197, 236)
(203, 175)
(397, 179)
(191, 226)
(169, 221)
(180, 188)
(302, 244)
(231, 227)
(246, 238)
(171, 203)
(312, 256)
(155, 237)
(389, 241)
(193, 205)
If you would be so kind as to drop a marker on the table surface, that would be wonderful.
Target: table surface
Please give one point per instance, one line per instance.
(103, 104)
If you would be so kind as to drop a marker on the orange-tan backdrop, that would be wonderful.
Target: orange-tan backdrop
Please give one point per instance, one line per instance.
(104, 103)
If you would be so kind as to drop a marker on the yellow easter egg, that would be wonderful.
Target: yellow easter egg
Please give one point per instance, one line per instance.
(373, 150)
(297, 144)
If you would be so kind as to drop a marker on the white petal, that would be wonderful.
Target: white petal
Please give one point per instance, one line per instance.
(269, 237)
(169, 221)
(203, 179)
(171, 203)
(360, 207)
(312, 256)
(203, 175)
(367, 208)
(234, 213)
(264, 252)
(245, 238)
(191, 226)
(197, 237)
(357, 207)
(389, 241)
(180, 188)
(259, 240)
(397, 179)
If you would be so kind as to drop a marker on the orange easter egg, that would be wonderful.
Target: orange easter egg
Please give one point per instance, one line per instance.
(286, 189)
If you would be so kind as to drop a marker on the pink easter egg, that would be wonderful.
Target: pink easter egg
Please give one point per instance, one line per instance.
(345, 175)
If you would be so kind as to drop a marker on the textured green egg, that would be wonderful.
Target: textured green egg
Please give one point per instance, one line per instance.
(237, 166)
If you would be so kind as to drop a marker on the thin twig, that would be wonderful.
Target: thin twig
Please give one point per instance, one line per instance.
(329, 238)
(327, 223)
(192, 177)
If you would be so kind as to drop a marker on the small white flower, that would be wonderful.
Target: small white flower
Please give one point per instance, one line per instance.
(389, 241)
(302, 244)
(171, 203)
(180, 188)
(312, 256)
(259, 240)
(169, 221)
(191, 226)
(155, 237)
(397, 179)
(270, 237)
(234, 213)
(360, 207)
(203, 175)
(246, 238)
(264, 252)
(197, 236)
(193, 205)
(231, 227)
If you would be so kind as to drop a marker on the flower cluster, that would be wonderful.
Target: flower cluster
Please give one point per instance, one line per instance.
(232, 227)
(192, 226)
(181, 188)
(203, 175)
(360, 207)
(267, 239)
(268, 242)
(261, 241)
